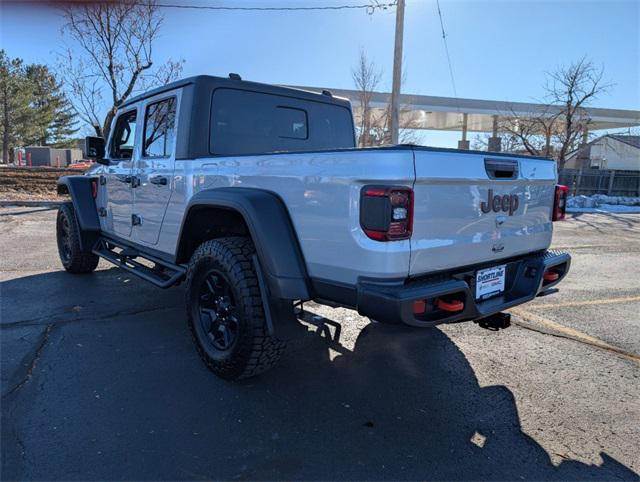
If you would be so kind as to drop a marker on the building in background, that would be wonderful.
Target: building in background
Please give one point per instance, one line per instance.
(611, 151)
(50, 156)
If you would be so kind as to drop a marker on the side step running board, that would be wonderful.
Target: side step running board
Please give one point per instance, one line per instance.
(162, 273)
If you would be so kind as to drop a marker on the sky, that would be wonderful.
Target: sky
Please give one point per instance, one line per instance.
(499, 49)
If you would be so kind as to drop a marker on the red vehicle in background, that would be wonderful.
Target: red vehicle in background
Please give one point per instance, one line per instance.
(81, 165)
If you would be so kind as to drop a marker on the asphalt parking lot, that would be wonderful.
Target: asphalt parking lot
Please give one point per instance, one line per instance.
(100, 380)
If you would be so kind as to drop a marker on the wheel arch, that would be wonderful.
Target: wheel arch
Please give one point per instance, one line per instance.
(79, 189)
(259, 214)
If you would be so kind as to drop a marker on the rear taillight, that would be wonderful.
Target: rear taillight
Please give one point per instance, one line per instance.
(560, 203)
(386, 212)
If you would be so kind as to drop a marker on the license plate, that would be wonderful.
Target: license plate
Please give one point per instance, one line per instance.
(490, 281)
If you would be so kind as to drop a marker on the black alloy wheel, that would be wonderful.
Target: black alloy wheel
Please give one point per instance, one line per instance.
(218, 312)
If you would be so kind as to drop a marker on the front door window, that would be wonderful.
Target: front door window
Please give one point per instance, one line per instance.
(124, 136)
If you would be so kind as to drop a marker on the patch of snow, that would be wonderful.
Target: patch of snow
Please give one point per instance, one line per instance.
(580, 202)
(606, 208)
(616, 200)
(603, 203)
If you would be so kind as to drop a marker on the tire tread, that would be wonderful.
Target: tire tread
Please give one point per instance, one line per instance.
(80, 262)
(258, 351)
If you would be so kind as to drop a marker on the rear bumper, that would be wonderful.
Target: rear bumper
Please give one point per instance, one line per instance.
(524, 281)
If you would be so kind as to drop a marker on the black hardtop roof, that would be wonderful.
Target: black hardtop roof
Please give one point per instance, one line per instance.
(214, 82)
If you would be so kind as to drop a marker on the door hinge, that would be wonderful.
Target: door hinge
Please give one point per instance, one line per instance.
(136, 220)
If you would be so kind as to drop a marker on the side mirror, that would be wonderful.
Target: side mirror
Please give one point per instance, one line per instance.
(94, 147)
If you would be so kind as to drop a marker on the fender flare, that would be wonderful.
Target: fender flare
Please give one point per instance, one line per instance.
(281, 259)
(79, 189)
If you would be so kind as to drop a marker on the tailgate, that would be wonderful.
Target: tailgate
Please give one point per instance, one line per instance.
(475, 208)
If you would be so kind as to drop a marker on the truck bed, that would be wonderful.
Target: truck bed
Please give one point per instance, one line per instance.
(321, 190)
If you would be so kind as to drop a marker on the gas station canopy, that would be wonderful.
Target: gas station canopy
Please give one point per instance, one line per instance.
(445, 113)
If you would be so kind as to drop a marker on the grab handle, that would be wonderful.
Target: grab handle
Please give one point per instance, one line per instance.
(501, 168)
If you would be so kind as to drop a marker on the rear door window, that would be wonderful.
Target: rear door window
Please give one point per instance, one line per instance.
(245, 122)
(159, 128)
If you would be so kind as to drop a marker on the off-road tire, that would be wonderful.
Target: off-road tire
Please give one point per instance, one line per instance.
(71, 255)
(254, 350)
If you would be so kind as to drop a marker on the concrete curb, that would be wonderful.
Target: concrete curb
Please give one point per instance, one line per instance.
(4, 204)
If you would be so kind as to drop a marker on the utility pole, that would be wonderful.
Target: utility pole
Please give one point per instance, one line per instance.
(397, 73)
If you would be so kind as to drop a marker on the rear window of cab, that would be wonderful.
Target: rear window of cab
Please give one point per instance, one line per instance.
(246, 122)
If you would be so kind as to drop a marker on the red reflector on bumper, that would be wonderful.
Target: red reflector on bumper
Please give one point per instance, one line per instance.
(419, 307)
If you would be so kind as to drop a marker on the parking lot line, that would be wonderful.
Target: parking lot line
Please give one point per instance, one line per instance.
(570, 333)
(604, 301)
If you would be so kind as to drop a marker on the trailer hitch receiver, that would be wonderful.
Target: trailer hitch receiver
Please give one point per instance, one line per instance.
(495, 322)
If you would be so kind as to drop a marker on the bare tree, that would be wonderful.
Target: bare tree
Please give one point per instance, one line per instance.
(375, 124)
(574, 88)
(366, 77)
(558, 127)
(113, 56)
(533, 132)
(510, 143)
(380, 131)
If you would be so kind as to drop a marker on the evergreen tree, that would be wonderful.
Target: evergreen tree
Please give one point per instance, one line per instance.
(52, 116)
(64, 124)
(33, 107)
(14, 104)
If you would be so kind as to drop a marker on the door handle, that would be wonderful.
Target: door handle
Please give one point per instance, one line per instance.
(158, 180)
(133, 180)
(123, 178)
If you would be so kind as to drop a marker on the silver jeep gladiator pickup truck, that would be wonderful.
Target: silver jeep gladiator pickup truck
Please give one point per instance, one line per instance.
(256, 196)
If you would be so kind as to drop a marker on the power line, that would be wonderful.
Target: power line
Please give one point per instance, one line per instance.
(446, 49)
(370, 7)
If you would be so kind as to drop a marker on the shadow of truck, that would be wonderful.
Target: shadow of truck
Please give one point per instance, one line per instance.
(125, 397)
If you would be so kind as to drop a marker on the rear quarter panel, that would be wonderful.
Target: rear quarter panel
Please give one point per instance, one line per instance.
(321, 191)
(322, 194)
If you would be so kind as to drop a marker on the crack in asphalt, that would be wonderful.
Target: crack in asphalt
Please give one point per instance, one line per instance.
(60, 318)
(10, 433)
(23, 449)
(34, 362)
